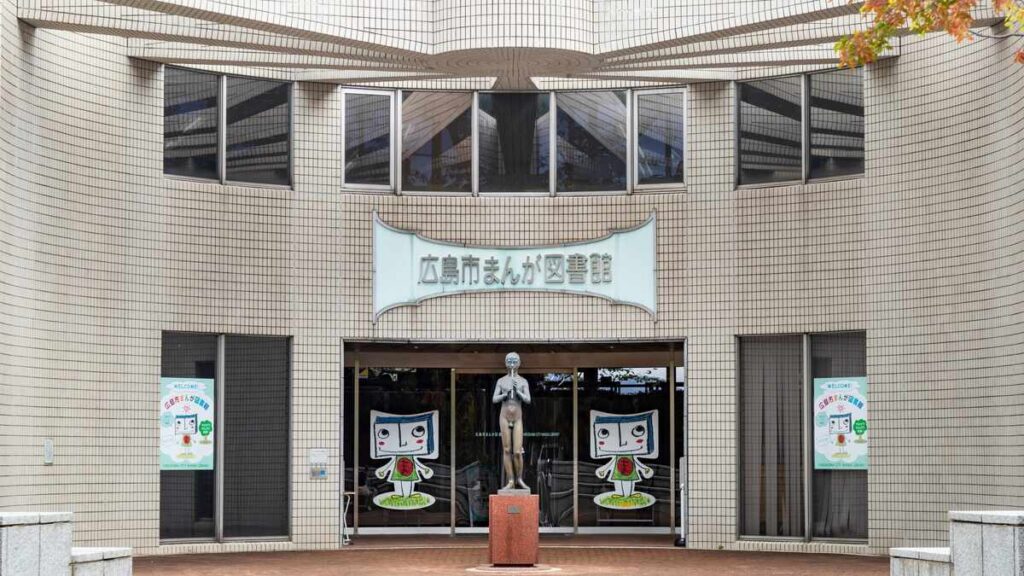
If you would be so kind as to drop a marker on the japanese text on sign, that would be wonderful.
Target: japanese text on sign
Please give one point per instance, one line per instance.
(551, 269)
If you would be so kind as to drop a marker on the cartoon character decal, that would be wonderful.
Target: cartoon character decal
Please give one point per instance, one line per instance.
(624, 438)
(186, 426)
(404, 439)
(839, 427)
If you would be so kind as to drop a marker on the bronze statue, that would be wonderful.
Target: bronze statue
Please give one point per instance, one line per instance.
(512, 390)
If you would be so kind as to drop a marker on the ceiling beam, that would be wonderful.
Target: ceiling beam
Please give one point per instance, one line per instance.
(803, 12)
(249, 16)
(198, 55)
(175, 30)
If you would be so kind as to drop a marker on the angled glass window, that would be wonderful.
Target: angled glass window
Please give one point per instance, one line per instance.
(660, 134)
(368, 139)
(190, 123)
(258, 131)
(771, 138)
(514, 131)
(437, 151)
(591, 141)
(837, 123)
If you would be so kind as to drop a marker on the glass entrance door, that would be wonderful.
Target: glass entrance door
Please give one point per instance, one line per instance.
(603, 445)
(548, 443)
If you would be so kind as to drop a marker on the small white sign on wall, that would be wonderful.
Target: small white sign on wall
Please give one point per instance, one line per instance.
(318, 458)
(619, 267)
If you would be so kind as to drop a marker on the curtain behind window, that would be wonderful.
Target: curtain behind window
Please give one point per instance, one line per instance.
(771, 419)
(840, 497)
(257, 408)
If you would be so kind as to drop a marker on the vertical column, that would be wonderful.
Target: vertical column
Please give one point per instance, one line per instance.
(805, 126)
(672, 487)
(355, 446)
(575, 450)
(808, 439)
(451, 449)
(218, 459)
(474, 132)
(222, 130)
(396, 141)
(552, 143)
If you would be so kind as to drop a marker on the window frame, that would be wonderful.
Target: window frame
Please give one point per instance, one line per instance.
(220, 394)
(809, 129)
(631, 154)
(222, 132)
(805, 135)
(399, 149)
(222, 121)
(394, 178)
(552, 141)
(807, 441)
(634, 132)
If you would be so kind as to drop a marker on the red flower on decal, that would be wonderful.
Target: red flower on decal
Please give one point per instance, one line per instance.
(405, 466)
(186, 439)
(625, 466)
(842, 439)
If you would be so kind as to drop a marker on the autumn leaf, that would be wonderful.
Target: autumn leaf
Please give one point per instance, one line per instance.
(920, 17)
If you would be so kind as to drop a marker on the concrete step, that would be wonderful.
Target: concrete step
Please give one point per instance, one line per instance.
(101, 561)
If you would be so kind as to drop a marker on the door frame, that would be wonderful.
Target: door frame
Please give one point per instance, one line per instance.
(485, 363)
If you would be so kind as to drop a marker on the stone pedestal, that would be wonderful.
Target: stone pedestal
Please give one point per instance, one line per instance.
(35, 543)
(514, 529)
(984, 543)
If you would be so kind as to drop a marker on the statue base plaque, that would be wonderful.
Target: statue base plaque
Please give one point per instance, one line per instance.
(514, 528)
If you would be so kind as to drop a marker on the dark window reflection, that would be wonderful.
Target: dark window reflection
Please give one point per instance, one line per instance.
(187, 496)
(839, 497)
(547, 441)
(256, 436)
(623, 393)
(258, 127)
(436, 141)
(190, 123)
(661, 126)
(514, 132)
(368, 139)
(591, 141)
(771, 438)
(770, 131)
(837, 123)
(404, 391)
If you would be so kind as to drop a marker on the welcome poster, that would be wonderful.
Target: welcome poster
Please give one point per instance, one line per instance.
(841, 423)
(186, 424)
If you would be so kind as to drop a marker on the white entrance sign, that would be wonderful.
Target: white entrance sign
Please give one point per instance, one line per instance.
(408, 268)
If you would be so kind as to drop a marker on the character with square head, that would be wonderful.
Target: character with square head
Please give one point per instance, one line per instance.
(624, 438)
(404, 439)
(185, 425)
(840, 426)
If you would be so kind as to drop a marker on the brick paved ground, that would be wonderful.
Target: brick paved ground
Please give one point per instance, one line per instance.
(374, 558)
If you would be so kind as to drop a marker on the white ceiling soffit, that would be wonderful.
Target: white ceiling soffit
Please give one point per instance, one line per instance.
(470, 44)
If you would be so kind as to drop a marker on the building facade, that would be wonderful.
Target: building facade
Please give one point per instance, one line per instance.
(118, 273)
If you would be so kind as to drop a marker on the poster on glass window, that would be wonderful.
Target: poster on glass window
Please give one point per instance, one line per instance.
(841, 423)
(186, 424)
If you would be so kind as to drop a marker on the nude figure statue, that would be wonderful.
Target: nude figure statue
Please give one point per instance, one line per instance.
(512, 391)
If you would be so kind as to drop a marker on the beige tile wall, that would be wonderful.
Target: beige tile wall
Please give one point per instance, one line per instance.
(99, 253)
